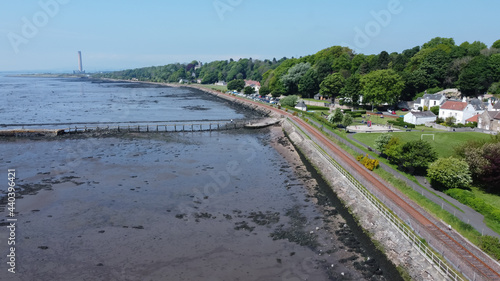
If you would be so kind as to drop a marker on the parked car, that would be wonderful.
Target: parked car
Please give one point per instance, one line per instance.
(404, 109)
(379, 112)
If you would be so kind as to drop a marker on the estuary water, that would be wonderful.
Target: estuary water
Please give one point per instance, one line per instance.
(227, 205)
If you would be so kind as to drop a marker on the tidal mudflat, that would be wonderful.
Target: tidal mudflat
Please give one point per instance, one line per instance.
(235, 205)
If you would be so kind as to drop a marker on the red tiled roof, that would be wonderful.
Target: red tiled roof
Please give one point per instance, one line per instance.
(473, 118)
(251, 82)
(454, 105)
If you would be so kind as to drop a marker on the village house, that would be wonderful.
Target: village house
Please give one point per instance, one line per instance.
(489, 120)
(429, 100)
(460, 110)
(254, 84)
(420, 118)
(301, 105)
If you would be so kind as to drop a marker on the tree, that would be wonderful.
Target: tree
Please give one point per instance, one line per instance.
(308, 84)
(416, 156)
(292, 78)
(249, 90)
(382, 141)
(496, 45)
(393, 149)
(383, 60)
(352, 89)
(290, 101)
(450, 120)
(491, 173)
(347, 120)
(446, 173)
(237, 85)
(476, 77)
(336, 116)
(331, 86)
(382, 86)
(264, 91)
(435, 110)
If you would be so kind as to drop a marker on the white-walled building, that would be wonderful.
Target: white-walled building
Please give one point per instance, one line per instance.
(419, 118)
(460, 110)
(429, 100)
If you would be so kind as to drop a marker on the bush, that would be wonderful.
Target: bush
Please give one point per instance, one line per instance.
(435, 110)
(290, 101)
(446, 173)
(478, 204)
(490, 245)
(370, 164)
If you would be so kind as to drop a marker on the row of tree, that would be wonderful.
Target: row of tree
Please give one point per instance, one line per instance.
(208, 73)
(339, 72)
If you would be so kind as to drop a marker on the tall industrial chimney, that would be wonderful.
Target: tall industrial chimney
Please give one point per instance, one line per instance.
(80, 68)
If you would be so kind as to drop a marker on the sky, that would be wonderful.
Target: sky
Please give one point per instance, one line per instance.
(45, 35)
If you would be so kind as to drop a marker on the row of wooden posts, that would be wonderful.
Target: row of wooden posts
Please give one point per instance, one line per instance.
(163, 127)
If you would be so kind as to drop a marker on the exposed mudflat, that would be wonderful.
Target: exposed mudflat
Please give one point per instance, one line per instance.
(193, 206)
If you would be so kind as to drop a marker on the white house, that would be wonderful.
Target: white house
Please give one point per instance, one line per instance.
(254, 84)
(460, 110)
(429, 100)
(419, 118)
(301, 105)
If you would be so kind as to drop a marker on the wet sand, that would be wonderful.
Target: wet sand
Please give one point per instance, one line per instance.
(236, 205)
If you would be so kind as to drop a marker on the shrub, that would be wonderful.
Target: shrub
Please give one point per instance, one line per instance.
(289, 101)
(370, 164)
(490, 245)
(446, 173)
(435, 110)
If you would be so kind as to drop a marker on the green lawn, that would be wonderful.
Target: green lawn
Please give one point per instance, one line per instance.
(443, 142)
(214, 87)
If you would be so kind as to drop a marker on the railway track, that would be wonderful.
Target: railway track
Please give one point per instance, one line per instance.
(474, 262)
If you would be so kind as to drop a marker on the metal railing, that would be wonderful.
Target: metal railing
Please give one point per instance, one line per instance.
(414, 239)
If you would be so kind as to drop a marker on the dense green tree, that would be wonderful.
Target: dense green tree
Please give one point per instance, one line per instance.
(290, 101)
(342, 62)
(435, 110)
(331, 86)
(393, 149)
(347, 120)
(476, 77)
(249, 90)
(496, 44)
(336, 116)
(264, 91)
(308, 84)
(416, 156)
(237, 84)
(446, 173)
(382, 86)
(434, 42)
(292, 78)
(351, 90)
(323, 69)
(382, 141)
(383, 60)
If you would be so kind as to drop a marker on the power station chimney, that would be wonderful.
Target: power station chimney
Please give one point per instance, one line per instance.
(80, 68)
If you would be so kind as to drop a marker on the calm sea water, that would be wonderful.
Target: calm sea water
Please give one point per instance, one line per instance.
(42, 101)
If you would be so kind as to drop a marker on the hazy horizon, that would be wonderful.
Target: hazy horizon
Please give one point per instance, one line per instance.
(45, 35)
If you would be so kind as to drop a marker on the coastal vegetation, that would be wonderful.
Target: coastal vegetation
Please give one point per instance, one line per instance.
(473, 68)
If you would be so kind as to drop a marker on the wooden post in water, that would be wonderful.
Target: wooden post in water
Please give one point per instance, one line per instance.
(138, 128)
(175, 127)
(192, 127)
(157, 128)
(118, 128)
